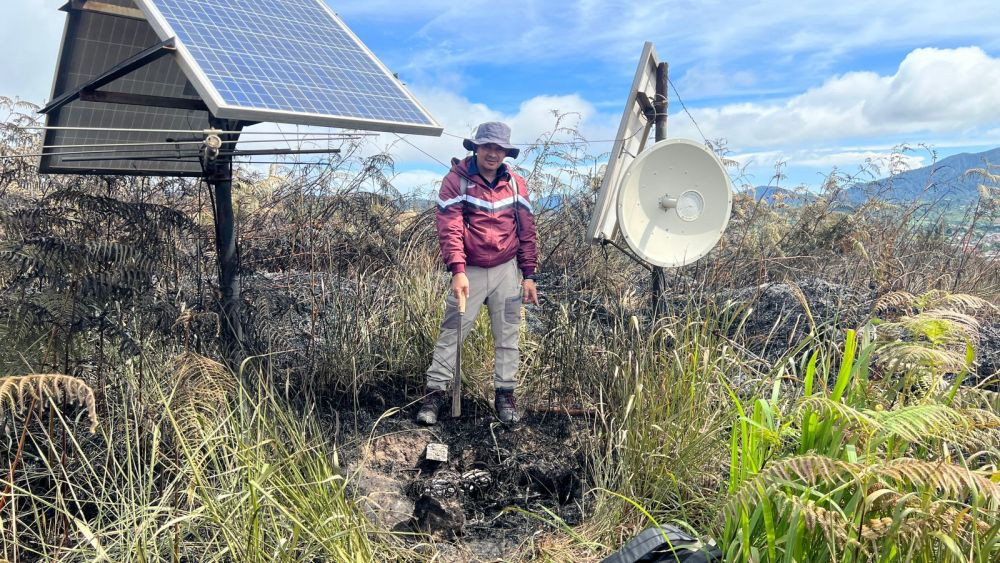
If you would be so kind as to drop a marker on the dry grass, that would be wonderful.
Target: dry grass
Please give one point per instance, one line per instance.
(867, 446)
(15, 392)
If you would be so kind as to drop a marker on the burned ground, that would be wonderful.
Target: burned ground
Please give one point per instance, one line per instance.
(488, 500)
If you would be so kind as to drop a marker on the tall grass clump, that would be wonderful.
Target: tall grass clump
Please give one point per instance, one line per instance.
(663, 423)
(200, 469)
(866, 464)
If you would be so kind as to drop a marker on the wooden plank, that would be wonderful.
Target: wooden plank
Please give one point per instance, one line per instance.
(105, 8)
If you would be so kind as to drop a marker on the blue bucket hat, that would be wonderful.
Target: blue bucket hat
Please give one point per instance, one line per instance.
(492, 132)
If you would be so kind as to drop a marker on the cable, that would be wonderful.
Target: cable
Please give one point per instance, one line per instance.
(684, 107)
(190, 131)
(152, 146)
(170, 141)
(429, 155)
(299, 137)
(554, 142)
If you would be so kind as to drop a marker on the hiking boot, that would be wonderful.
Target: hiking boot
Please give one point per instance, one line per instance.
(506, 406)
(430, 405)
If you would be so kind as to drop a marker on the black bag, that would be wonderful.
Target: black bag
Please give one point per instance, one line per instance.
(665, 544)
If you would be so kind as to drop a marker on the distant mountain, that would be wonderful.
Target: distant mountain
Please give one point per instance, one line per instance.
(944, 181)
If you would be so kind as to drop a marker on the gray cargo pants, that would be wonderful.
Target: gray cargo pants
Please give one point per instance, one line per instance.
(500, 288)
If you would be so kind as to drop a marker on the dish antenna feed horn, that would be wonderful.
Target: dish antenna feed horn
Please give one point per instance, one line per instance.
(670, 201)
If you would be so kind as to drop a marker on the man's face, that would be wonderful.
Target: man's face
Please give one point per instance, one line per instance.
(489, 157)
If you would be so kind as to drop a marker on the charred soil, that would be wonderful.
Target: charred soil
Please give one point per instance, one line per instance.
(480, 504)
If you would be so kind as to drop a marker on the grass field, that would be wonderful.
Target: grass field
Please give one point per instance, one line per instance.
(821, 387)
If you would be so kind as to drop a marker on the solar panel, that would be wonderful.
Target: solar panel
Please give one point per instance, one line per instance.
(93, 42)
(290, 61)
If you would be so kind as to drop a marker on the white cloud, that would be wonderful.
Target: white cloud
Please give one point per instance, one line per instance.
(459, 116)
(936, 95)
(811, 165)
(417, 181)
(884, 162)
(934, 91)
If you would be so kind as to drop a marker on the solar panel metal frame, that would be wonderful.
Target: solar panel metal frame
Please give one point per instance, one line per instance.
(217, 105)
(73, 44)
(628, 144)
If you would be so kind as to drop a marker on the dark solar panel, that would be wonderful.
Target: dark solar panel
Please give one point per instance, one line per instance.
(289, 61)
(92, 44)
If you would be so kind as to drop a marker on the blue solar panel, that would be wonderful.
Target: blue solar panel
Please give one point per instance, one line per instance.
(291, 57)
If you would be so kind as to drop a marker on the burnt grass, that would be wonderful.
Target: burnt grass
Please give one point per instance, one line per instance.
(475, 505)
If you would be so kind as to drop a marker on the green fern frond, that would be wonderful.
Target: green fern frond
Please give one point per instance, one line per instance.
(965, 322)
(945, 478)
(902, 357)
(917, 423)
(828, 408)
(957, 302)
(894, 301)
(936, 327)
(808, 469)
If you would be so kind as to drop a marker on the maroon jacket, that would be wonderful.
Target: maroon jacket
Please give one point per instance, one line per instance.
(478, 228)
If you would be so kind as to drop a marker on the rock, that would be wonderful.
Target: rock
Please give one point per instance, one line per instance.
(439, 516)
(436, 452)
(382, 500)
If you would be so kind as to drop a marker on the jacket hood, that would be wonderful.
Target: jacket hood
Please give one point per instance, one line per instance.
(460, 166)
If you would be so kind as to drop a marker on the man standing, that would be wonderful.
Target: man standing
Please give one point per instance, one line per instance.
(487, 236)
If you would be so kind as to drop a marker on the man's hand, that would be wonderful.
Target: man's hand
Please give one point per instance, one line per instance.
(530, 292)
(460, 285)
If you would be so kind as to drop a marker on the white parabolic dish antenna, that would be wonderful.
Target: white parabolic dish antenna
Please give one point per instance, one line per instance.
(674, 202)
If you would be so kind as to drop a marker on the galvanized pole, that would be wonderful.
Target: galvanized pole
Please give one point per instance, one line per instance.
(660, 133)
(219, 173)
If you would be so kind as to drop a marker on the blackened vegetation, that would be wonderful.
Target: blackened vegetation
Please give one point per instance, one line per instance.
(343, 296)
(82, 264)
(494, 477)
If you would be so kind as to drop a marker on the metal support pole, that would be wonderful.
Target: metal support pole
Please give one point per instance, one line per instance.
(660, 103)
(219, 174)
(659, 280)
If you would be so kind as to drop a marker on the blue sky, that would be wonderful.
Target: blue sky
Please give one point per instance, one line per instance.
(815, 85)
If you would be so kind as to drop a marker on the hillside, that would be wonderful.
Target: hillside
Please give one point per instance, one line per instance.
(945, 181)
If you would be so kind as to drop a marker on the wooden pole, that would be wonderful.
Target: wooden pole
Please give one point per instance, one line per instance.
(456, 384)
(660, 133)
